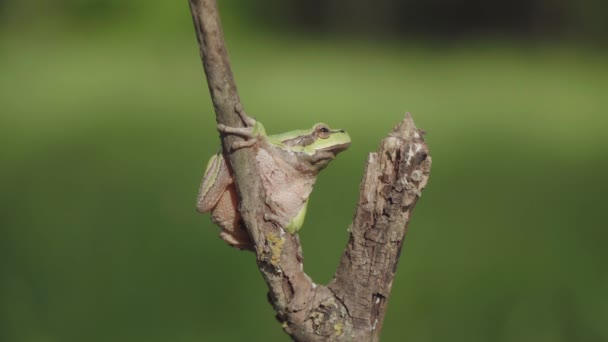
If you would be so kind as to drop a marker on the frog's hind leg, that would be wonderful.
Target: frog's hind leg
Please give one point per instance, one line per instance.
(238, 239)
(226, 216)
(215, 181)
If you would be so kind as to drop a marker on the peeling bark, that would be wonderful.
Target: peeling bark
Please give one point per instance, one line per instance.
(352, 306)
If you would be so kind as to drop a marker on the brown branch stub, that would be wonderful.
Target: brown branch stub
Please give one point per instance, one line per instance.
(352, 307)
(394, 179)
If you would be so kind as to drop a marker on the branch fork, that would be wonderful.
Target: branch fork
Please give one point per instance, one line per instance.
(352, 306)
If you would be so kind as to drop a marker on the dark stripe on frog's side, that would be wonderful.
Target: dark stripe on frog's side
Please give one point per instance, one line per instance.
(303, 140)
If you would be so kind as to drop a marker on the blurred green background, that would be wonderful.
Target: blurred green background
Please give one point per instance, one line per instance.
(106, 125)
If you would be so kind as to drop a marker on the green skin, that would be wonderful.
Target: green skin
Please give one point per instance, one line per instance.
(288, 164)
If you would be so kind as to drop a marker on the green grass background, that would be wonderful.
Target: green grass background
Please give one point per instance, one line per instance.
(105, 133)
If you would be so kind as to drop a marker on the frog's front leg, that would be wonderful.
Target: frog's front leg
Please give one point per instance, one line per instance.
(290, 224)
(249, 132)
(245, 132)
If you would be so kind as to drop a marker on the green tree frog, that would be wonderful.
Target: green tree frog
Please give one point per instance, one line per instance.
(288, 164)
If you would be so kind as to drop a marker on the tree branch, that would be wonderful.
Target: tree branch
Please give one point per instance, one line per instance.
(352, 307)
(394, 179)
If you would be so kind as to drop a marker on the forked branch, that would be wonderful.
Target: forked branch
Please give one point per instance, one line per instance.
(352, 306)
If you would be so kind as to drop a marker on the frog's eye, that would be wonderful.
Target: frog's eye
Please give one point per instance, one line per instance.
(322, 131)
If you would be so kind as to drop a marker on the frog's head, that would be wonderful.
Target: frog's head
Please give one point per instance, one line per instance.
(328, 140)
(320, 143)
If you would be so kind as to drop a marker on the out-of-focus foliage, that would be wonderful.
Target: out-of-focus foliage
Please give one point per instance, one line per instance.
(584, 19)
(106, 124)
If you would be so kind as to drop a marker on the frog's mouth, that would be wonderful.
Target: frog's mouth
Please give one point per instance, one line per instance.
(335, 149)
(331, 152)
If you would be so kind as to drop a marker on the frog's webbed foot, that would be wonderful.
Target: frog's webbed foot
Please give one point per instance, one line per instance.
(245, 132)
(276, 219)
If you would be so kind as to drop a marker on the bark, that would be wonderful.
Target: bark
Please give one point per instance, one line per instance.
(352, 306)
